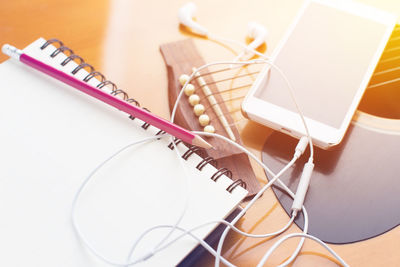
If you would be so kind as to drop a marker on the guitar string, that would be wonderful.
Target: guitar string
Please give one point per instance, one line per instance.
(224, 101)
(229, 78)
(391, 61)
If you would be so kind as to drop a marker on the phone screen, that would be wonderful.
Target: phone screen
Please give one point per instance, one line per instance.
(326, 59)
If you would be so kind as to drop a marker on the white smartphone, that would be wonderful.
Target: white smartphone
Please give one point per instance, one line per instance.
(328, 55)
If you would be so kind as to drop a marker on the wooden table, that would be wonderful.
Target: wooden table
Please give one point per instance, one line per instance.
(122, 38)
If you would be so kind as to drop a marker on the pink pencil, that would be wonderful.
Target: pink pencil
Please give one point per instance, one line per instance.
(116, 102)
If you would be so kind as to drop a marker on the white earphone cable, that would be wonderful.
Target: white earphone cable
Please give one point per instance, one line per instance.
(231, 41)
(90, 176)
(256, 61)
(280, 241)
(259, 194)
(75, 224)
(207, 247)
(275, 177)
(172, 227)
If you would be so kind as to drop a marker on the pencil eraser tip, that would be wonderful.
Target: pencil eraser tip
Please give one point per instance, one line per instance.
(11, 51)
(5, 49)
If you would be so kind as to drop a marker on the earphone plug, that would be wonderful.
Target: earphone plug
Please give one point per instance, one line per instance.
(303, 186)
(301, 146)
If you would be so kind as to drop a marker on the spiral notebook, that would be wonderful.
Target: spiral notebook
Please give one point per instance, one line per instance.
(53, 136)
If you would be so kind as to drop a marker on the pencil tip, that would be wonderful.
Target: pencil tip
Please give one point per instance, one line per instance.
(198, 141)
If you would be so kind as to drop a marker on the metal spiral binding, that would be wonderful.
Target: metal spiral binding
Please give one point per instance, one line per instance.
(72, 57)
(92, 72)
(205, 161)
(220, 172)
(210, 160)
(116, 91)
(236, 183)
(176, 141)
(192, 149)
(82, 66)
(62, 49)
(160, 132)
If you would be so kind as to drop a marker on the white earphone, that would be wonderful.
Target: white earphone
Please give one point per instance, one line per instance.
(296, 208)
(259, 34)
(186, 14)
(255, 30)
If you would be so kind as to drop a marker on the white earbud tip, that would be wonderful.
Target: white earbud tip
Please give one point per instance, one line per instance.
(256, 30)
(251, 29)
(186, 14)
(189, 8)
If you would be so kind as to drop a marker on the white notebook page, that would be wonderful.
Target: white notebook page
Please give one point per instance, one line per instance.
(51, 137)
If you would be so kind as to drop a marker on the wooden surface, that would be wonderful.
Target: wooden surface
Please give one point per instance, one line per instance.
(122, 38)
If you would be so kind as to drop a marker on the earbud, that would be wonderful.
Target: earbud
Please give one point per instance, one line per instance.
(259, 34)
(256, 31)
(186, 14)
